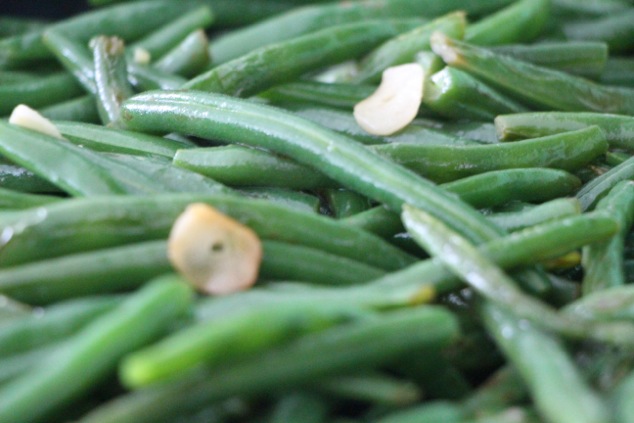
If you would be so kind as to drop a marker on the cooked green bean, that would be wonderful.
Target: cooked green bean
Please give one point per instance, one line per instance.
(265, 67)
(617, 30)
(188, 58)
(533, 84)
(431, 412)
(20, 179)
(92, 354)
(300, 406)
(533, 215)
(556, 386)
(592, 192)
(88, 224)
(111, 77)
(375, 388)
(10, 199)
(99, 138)
(455, 94)
(362, 344)
(618, 129)
(618, 71)
(336, 156)
(612, 303)
(40, 92)
(13, 25)
(80, 109)
(343, 203)
(603, 262)
(339, 95)
(402, 48)
(582, 58)
(298, 200)
(522, 21)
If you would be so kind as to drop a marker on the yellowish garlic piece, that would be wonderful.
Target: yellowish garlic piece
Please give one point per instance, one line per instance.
(395, 103)
(22, 115)
(142, 56)
(215, 253)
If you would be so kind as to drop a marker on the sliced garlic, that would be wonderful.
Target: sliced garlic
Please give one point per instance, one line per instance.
(395, 103)
(142, 56)
(26, 117)
(217, 254)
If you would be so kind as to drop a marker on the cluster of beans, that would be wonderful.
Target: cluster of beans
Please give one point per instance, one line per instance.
(472, 267)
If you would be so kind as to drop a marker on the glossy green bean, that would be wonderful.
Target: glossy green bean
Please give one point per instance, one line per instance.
(110, 77)
(403, 48)
(73, 56)
(80, 109)
(582, 58)
(522, 21)
(556, 386)
(20, 179)
(455, 94)
(267, 66)
(40, 92)
(89, 224)
(10, 199)
(336, 156)
(363, 344)
(618, 129)
(342, 202)
(52, 324)
(299, 200)
(375, 388)
(603, 262)
(162, 40)
(598, 187)
(536, 85)
(524, 218)
(282, 261)
(99, 138)
(616, 30)
(241, 166)
(567, 151)
(91, 273)
(219, 342)
(92, 354)
(316, 93)
(188, 58)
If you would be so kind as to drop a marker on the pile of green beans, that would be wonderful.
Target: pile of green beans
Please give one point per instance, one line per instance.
(474, 266)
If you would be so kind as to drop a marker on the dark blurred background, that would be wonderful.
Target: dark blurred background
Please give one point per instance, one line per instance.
(42, 8)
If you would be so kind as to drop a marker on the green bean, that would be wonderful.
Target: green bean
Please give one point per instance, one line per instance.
(306, 19)
(219, 342)
(92, 354)
(618, 71)
(568, 151)
(129, 21)
(188, 58)
(111, 77)
(403, 48)
(99, 138)
(533, 84)
(618, 129)
(282, 261)
(39, 92)
(20, 179)
(339, 95)
(90, 273)
(582, 58)
(594, 190)
(18, 364)
(80, 109)
(362, 344)
(501, 390)
(522, 21)
(12, 25)
(298, 200)
(51, 324)
(615, 158)
(12, 77)
(84, 172)
(343, 203)
(533, 215)
(435, 411)
(556, 386)
(10, 199)
(378, 220)
(375, 388)
(11, 309)
(88, 224)
(73, 56)
(241, 166)
(343, 122)
(162, 40)
(300, 407)
(267, 66)
(145, 77)
(485, 277)
(603, 262)
(612, 303)
(616, 30)
(336, 156)
(590, 7)
(455, 94)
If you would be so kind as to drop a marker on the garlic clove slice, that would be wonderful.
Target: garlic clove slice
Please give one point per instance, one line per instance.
(216, 253)
(22, 115)
(395, 103)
